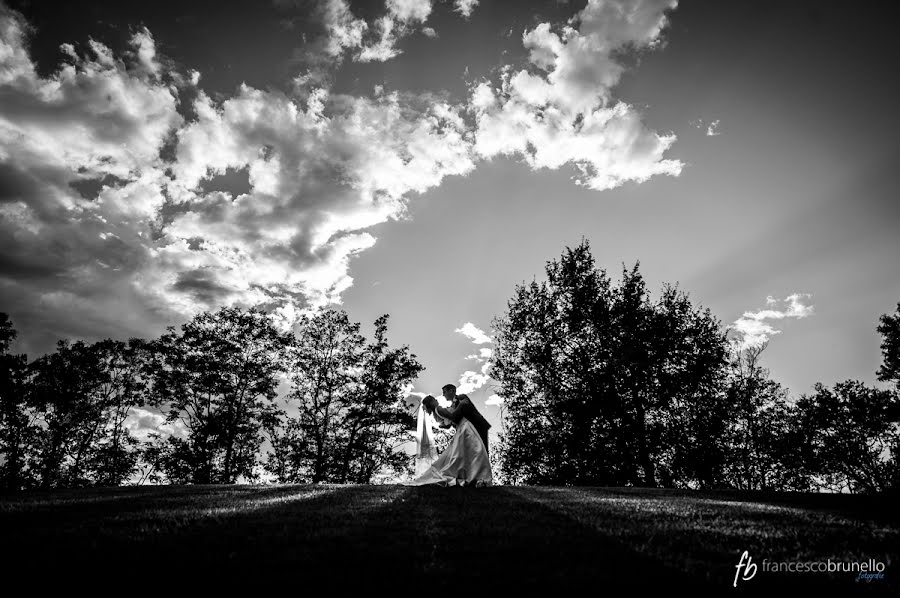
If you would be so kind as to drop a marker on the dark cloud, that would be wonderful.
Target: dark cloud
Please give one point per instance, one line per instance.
(234, 181)
(89, 189)
(15, 183)
(202, 285)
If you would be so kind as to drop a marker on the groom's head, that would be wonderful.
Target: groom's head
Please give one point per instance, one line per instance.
(449, 391)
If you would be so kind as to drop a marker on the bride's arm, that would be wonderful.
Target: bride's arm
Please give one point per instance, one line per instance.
(452, 415)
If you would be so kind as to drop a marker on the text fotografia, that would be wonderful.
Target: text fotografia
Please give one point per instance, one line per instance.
(865, 570)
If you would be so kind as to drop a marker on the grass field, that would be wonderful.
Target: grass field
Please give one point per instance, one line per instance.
(503, 538)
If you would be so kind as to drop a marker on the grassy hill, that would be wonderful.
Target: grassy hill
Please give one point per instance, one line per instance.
(491, 539)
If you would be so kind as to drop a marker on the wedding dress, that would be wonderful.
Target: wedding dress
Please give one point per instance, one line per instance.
(464, 461)
(426, 449)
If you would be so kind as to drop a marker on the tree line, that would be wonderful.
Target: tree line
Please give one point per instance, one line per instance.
(603, 386)
(600, 385)
(70, 418)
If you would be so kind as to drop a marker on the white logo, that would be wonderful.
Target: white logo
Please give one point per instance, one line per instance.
(749, 568)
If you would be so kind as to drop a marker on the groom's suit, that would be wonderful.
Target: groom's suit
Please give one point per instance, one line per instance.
(465, 408)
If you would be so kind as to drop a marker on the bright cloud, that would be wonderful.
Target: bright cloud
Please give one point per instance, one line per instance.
(82, 184)
(105, 224)
(142, 422)
(465, 7)
(752, 328)
(471, 381)
(483, 354)
(376, 42)
(100, 233)
(385, 47)
(409, 11)
(318, 178)
(343, 30)
(473, 333)
(494, 400)
(560, 109)
(711, 128)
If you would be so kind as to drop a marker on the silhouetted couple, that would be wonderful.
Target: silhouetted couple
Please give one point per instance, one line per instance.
(465, 461)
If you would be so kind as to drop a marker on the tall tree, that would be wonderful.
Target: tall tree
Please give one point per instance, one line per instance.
(325, 358)
(122, 387)
(64, 388)
(765, 444)
(688, 353)
(852, 432)
(548, 361)
(84, 394)
(635, 335)
(218, 377)
(889, 328)
(376, 420)
(593, 375)
(347, 418)
(18, 430)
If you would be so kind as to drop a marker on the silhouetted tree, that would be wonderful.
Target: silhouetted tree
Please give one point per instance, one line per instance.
(852, 430)
(346, 395)
(218, 377)
(597, 381)
(551, 349)
(114, 454)
(889, 328)
(376, 421)
(83, 393)
(18, 430)
(765, 443)
(688, 356)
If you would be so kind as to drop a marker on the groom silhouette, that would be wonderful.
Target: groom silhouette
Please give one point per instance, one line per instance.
(461, 406)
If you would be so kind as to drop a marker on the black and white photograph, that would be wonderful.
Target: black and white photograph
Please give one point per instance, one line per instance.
(491, 297)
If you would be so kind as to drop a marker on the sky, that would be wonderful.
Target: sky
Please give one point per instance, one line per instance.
(421, 158)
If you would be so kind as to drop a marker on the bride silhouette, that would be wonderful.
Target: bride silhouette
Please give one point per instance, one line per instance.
(465, 460)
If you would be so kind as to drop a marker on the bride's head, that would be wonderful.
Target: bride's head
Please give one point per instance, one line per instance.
(429, 403)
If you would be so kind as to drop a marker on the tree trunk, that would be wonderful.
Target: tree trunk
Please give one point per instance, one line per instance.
(643, 448)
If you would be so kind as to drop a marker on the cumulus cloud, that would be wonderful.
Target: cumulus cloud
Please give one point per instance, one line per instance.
(343, 30)
(465, 7)
(494, 400)
(98, 123)
(385, 47)
(483, 353)
(752, 328)
(143, 422)
(560, 110)
(473, 380)
(409, 11)
(101, 235)
(318, 178)
(110, 224)
(473, 333)
(346, 33)
(710, 128)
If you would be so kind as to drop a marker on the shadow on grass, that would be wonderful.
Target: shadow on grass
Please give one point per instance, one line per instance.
(704, 533)
(340, 537)
(429, 539)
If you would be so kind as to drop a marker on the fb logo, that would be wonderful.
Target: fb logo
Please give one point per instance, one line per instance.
(749, 568)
